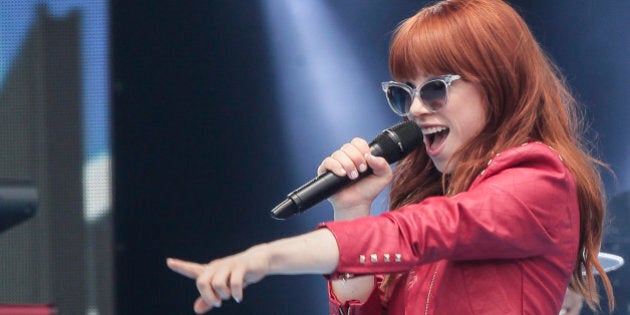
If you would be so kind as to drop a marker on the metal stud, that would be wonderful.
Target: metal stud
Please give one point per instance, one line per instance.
(386, 258)
(362, 259)
(374, 258)
(398, 257)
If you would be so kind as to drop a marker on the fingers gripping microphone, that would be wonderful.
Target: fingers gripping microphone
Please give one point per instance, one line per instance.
(393, 144)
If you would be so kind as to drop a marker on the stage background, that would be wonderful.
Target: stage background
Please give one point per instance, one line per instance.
(218, 109)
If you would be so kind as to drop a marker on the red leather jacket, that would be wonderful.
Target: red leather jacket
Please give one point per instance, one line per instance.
(507, 245)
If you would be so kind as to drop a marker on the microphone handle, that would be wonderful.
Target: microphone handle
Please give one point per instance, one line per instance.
(320, 188)
(316, 190)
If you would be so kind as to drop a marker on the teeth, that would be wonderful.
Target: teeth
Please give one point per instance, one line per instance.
(432, 130)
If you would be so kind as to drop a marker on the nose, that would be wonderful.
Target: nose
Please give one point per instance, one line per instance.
(418, 108)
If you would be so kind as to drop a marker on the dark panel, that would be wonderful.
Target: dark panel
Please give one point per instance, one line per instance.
(195, 153)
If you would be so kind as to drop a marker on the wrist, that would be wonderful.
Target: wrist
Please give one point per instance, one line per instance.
(261, 252)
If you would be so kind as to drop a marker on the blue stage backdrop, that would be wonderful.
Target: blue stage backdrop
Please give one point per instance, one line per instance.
(55, 132)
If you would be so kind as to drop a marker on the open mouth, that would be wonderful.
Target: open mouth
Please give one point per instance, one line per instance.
(435, 136)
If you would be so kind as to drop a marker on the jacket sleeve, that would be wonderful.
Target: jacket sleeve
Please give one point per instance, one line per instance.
(523, 204)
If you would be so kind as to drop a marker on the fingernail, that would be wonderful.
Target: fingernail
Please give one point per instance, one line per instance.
(354, 175)
(237, 300)
(362, 167)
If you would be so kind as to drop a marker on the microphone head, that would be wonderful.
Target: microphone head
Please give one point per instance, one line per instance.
(397, 141)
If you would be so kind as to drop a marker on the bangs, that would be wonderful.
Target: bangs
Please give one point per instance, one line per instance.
(423, 45)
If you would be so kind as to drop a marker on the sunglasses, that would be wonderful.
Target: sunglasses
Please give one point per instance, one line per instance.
(433, 93)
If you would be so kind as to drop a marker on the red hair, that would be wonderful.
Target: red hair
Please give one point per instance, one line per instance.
(489, 45)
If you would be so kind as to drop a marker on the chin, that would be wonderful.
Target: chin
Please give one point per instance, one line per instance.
(439, 166)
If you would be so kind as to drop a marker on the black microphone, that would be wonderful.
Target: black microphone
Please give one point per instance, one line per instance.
(393, 144)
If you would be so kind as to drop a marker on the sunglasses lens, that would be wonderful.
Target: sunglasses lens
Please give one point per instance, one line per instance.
(433, 94)
(399, 99)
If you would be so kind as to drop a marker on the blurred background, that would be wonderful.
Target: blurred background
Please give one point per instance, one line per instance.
(157, 129)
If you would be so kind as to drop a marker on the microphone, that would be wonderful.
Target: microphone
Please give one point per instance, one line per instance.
(393, 144)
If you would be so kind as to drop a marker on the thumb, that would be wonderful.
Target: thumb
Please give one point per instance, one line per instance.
(201, 306)
(378, 164)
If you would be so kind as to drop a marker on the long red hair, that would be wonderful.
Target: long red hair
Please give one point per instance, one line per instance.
(489, 44)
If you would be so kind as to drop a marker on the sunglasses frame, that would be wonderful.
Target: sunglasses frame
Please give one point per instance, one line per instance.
(447, 79)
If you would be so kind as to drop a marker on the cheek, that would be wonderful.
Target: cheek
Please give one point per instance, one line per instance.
(468, 111)
(471, 124)
(475, 119)
(479, 120)
(477, 126)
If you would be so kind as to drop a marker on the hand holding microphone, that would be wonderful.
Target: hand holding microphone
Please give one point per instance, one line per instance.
(352, 160)
(392, 144)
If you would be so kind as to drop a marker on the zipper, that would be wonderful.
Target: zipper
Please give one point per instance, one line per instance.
(341, 312)
(426, 308)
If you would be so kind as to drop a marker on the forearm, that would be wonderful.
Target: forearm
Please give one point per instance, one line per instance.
(311, 253)
(351, 213)
(314, 253)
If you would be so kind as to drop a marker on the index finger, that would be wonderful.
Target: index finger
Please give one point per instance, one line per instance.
(361, 144)
(186, 268)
